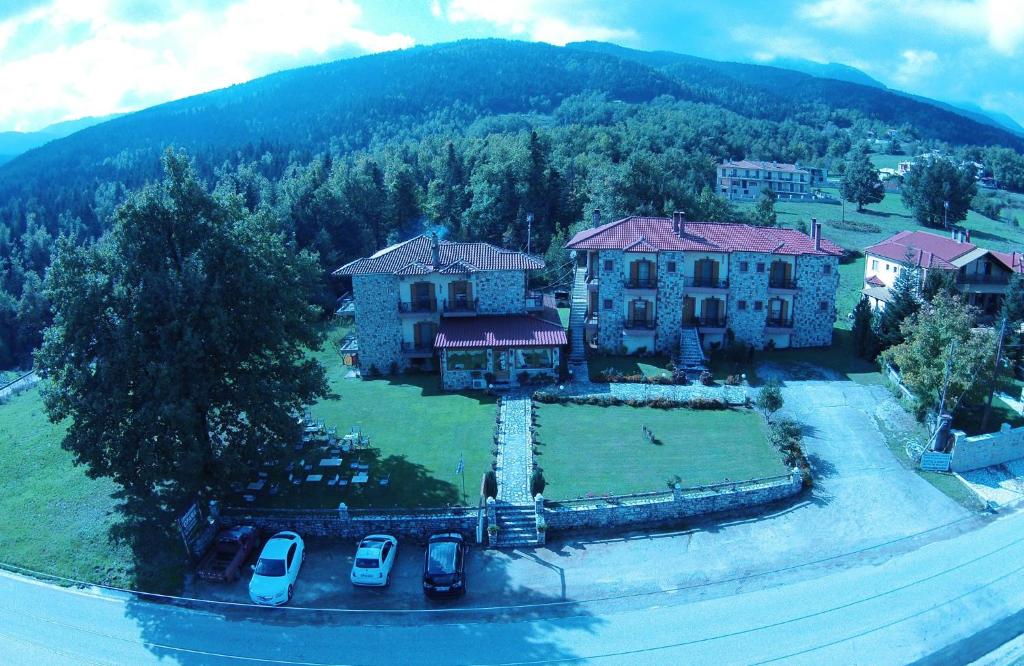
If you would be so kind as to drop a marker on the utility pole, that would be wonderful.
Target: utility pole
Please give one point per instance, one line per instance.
(529, 230)
(945, 380)
(995, 377)
(945, 215)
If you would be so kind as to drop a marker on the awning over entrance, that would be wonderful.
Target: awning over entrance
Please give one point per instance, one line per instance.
(499, 331)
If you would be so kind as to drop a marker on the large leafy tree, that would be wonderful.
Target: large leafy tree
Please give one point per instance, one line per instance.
(177, 350)
(942, 331)
(931, 184)
(764, 212)
(860, 183)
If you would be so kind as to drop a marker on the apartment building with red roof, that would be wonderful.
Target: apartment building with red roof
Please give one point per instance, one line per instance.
(980, 274)
(744, 180)
(649, 279)
(465, 308)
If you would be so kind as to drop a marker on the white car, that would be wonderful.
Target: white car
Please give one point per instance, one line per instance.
(273, 577)
(375, 556)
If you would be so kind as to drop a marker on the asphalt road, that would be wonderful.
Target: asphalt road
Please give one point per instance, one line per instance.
(904, 609)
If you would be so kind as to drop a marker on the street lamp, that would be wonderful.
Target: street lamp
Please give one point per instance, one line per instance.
(945, 215)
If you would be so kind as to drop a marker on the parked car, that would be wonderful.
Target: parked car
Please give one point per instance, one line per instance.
(274, 575)
(375, 557)
(444, 565)
(223, 563)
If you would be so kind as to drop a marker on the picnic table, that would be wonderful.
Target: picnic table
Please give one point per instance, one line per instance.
(330, 462)
(256, 485)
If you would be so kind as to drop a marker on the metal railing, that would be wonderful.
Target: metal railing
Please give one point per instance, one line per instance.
(417, 306)
(980, 278)
(705, 321)
(779, 322)
(641, 283)
(460, 305)
(704, 281)
(645, 324)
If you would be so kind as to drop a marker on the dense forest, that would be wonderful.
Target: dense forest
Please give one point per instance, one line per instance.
(468, 137)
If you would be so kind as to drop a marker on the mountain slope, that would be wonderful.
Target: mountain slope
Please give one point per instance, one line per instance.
(13, 144)
(830, 70)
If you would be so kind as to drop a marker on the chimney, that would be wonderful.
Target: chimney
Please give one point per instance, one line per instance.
(435, 250)
(597, 217)
(816, 234)
(679, 223)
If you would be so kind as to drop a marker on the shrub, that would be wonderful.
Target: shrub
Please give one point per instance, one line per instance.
(853, 225)
(537, 482)
(372, 372)
(492, 529)
(786, 435)
(706, 403)
(706, 379)
(490, 484)
(733, 380)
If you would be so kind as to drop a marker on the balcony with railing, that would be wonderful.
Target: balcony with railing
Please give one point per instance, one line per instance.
(417, 307)
(779, 322)
(784, 284)
(993, 282)
(640, 283)
(639, 326)
(460, 307)
(705, 322)
(422, 349)
(706, 284)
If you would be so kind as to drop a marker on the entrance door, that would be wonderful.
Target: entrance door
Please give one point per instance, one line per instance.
(423, 334)
(710, 311)
(502, 365)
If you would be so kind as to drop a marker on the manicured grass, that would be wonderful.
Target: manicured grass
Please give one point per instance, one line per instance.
(57, 520)
(881, 160)
(589, 449)
(417, 433)
(890, 216)
(649, 366)
(851, 281)
(563, 316)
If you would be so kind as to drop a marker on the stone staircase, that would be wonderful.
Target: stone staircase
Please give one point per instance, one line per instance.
(517, 525)
(578, 317)
(691, 354)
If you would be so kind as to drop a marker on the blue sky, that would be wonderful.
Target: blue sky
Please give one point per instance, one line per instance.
(64, 59)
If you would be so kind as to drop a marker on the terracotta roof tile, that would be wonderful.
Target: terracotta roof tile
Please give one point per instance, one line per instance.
(698, 237)
(499, 331)
(415, 257)
(928, 250)
(757, 164)
(875, 281)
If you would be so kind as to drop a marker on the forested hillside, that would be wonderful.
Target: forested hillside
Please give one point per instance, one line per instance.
(469, 137)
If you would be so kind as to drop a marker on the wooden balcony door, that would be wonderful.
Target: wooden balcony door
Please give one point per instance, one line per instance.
(781, 272)
(423, 334)
(689, 310)
(778, 309)
(422, 292)
(706, 272)
(711, 310)
(460, 294)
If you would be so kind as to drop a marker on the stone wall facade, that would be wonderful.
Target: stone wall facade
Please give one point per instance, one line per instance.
(668, 507)
(986, 450)
(610, 287)
(355, 524)
(377, 322)
(500, 292)
(814, 306)
(670, 302)
(751, 287)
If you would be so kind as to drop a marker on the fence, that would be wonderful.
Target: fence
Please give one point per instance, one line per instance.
(980, 451)
(897, 380)
(661, 507)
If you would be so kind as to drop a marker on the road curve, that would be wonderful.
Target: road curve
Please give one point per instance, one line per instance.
(915, 604)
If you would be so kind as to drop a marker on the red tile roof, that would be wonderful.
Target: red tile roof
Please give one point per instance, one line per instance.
(499, 331)
(755, 164)
(415, 257)
(928, 250)
(875, 281)
(698, 237)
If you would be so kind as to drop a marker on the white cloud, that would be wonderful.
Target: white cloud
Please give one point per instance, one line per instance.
(916, 65)
(553, 22)
(837, 13)
(435, 8)
(121, 65)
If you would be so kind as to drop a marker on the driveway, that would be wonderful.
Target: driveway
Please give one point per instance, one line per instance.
(863, 497)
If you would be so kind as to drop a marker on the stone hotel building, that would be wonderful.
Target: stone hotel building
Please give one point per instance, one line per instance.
(464, 307)
(654, 281)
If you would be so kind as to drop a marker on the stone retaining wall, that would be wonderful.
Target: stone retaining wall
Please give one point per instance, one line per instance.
(345, 524)
(985, 450)
(665, 507)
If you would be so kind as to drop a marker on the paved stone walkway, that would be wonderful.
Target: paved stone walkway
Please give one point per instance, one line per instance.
(515, 449)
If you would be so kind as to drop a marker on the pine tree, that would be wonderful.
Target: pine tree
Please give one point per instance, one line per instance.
(764, 211)
(904, 300)
(865, 339)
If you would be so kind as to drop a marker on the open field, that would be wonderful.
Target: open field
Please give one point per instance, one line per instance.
(589, 449)
(58, 520)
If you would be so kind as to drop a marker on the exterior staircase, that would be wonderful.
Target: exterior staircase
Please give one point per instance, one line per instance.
(691, 354)
(517, 525)
(578, 317)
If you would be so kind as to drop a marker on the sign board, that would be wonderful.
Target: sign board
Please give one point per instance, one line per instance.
(191, 525)
(934, 461)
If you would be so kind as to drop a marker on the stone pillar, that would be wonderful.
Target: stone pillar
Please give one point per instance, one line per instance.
(542, 526)
(492, 521)
(677, 493)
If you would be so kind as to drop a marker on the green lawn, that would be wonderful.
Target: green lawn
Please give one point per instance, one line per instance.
(417, 433)
(890, 216)
(881, 160)
(649, 366)
(57, 520)
(589, 449)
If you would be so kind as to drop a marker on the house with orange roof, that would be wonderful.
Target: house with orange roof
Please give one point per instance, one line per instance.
(980, 274)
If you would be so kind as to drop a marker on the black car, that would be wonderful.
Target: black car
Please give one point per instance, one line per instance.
(444, 566)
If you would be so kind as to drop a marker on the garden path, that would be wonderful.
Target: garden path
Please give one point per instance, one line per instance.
(515, 454)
